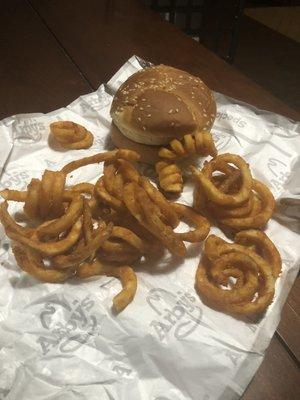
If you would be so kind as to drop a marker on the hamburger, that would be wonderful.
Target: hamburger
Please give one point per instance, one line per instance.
(156, 105)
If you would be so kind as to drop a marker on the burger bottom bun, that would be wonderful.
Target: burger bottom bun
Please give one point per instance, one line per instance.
(149, 154)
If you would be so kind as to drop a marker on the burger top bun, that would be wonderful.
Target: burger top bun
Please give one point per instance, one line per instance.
(161, 103)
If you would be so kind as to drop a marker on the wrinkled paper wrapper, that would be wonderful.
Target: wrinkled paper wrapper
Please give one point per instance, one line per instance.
(62, 341)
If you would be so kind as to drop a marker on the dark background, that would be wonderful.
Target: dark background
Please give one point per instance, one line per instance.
(265, 55)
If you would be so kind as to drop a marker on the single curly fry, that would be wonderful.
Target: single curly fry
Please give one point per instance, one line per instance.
(260, 215)
(10, 224)
(14, 195)
(31, 262)
(200, 143)
(263, 246)
(159, 199)
(81, 254)
(70, 135)
(212, 192)
(255, 284)
(105, 197)
(192, 218)
(101, 157)
(125, 273)
(169, 176)
(49, 249)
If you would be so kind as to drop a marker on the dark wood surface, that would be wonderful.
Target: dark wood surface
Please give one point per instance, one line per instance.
(57, 50)
(35, 73)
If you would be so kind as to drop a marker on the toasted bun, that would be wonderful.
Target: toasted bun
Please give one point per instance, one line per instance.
(158, 104)
(149, 154)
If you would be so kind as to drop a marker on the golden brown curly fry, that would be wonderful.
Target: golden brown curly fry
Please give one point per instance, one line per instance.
(77, 256)
(70, 135)
(49, 248)
(101, 157)
(169, 176)
(254, 288)
(32, 263)
(200, 143)
(125, 273)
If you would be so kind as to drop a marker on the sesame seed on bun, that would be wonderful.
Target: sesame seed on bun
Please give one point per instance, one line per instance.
(161, 103)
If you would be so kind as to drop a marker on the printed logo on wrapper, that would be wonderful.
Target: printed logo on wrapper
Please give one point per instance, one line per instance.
(252, 327)
(69, 324)
(181, 318)
(237, 121)
(279, 171)
(29, 131)
(233, 356)
(122, 371)
(16, 179)
(95, 104)
(221, 139)
(280, 131)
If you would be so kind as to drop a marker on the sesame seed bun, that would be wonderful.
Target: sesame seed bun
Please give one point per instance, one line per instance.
(161, 103)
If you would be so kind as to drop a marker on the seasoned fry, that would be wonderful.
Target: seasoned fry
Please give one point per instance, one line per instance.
(155, 225)
(169, 176)
(14, 195)
(100, 229)
(70, 135)
(63, 223)
(128, 172)
(49, 248)
(252, 204)
(254, 289)
(158, 198)
(126, 275)
(100, 157)
(215, 194)
(105, 197)
(80, 255)
(201, 143)
(255, 219)
(191, 217)
(263, 246)
(31, 262)
(31, 206)
(10, 224)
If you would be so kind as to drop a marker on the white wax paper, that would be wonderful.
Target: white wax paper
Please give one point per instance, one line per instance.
(61, 341)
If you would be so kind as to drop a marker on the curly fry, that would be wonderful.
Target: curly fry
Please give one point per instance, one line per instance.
(63, 223)
(70, 135)
(200, 143)
(100, 157)
(14, 195)
(81, 254)
(158, 198)
(254, 276)
(126, 275)
(32, 263)
(32, 201)
(256, 219)
(147, 213)
(105, 197)
(49, 248)
(10, 224)
(169, 176)
(214, 193)
(191, 217)
(263, 246)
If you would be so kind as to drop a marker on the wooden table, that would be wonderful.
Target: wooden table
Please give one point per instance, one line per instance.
(52, 51)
